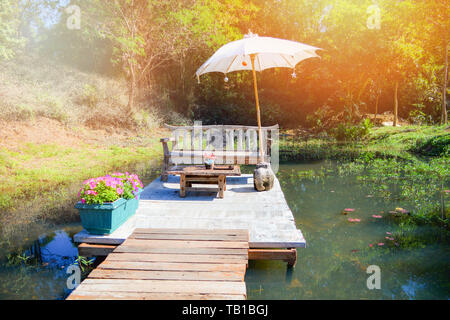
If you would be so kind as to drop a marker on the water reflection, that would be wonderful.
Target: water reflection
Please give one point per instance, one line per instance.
(37, 270)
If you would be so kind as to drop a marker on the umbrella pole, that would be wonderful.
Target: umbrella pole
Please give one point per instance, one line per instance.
(261, 154)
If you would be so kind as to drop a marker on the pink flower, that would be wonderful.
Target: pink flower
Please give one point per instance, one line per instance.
(82, 200)
(354, 220)
(349, 209)
(388, 233)
(119, 191)
(377, 216)
(381, 244)
(370, 245)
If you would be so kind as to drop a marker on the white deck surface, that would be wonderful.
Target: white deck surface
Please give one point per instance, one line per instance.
(265, 214)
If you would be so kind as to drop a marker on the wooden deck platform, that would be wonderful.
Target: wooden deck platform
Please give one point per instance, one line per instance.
(170, 264)
(266, 215)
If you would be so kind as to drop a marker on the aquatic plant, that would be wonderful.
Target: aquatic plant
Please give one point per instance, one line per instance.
(83, 262)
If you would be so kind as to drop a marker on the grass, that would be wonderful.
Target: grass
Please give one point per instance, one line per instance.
(60, 125)
(400, 142)
(37, 171)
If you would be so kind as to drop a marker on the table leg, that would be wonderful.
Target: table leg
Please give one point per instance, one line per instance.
(221, 183)
(182, 185)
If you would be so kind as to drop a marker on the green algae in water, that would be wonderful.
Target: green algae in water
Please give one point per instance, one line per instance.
(415, 265)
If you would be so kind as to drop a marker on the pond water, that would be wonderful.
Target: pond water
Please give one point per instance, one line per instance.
(333, 266)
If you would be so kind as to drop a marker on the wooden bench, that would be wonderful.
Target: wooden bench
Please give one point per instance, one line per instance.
(231, 144)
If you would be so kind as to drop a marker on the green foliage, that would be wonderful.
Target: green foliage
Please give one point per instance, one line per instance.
(84, 262)
(348, 132)
(90, 96)
(435, 146)
(418, 182)
(158, 45)
(10, 42)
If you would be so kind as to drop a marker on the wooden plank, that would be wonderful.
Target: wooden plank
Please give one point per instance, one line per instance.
(189, 258)
(185, 244)
(82, 294)
(196, 237)
(171, 266)
(198, 189)
(168, 275)
(162, 286)
(191, 231)
(287, 255)
(156, 264)
(93, 250)
(143, 249)
(222, 127)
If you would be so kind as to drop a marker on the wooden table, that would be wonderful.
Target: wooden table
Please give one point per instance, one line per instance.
(199, 174)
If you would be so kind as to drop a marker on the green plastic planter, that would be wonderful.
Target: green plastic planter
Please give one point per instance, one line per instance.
(104, 218)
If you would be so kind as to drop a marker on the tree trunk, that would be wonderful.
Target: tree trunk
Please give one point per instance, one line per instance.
(376, 105)
(130, 106)
(444, 89)
(396, 104)
(132, 90)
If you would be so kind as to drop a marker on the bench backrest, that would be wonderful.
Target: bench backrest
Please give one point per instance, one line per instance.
(231, 144)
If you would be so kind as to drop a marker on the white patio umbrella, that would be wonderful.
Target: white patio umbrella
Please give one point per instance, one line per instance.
(257, 54)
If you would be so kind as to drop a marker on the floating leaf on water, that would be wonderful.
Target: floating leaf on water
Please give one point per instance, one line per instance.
(401, 210)
(355, 250)
(369, 196)
(347, 210)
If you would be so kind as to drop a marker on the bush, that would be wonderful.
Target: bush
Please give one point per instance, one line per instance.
(435, 146)
(21, 112)
(348, 132)
(90, 96)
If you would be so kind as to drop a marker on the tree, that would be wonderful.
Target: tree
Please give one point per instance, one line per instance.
(10, 39)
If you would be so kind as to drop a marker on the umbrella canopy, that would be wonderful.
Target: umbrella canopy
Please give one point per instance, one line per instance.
(257, 54)
(269, 52)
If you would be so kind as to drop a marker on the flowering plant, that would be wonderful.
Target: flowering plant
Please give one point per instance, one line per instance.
(110, 188)
(209, 158)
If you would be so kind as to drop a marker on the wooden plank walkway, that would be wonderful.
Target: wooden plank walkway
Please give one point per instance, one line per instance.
(171, 264)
